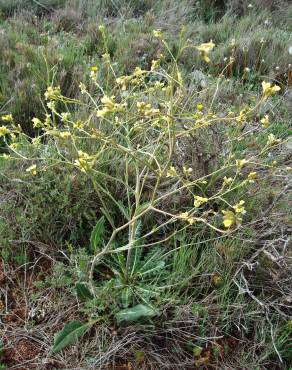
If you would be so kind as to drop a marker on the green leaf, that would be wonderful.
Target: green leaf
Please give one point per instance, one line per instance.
(83, 293)
(69, 334)
(197, 351)
(126, 295)
(123, 210)
(142, 208)
(107, 215)
(135, 313)
(97, 235)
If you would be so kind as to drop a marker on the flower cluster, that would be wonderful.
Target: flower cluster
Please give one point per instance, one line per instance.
(47, 123)
(109, 106)
(205, 50)
(265, 121)
(53, 93)
(93, 72)
(85, 161)
(198, 201)
(232, 218)
(7, 118)
(269, 89)
(145, 109)
(134, 79)
(32, 169)
(272, 140)
(186, 217)
(4, 131)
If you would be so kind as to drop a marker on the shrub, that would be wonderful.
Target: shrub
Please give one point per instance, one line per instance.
(44, 214)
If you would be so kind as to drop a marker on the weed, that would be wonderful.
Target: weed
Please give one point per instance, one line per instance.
(143, 207)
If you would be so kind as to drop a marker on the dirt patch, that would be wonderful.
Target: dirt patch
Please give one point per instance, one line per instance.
(22, 349)
(22, 356)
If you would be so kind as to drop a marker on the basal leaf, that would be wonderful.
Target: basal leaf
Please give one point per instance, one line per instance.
(135, 313)
(97, 235)
(69, 334)
(83, 293)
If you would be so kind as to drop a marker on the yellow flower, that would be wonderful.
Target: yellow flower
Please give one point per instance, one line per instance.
(37, 123)
(52, 93)
(123, 81)
(7, 118)
(52, 106)
(230, 219)
(158, 85)
(109, 106)
(85, 162)
(199, 201)
(171, 172)
(265, 121)
(106, 57)
(108, 101)
(14, 146)
(205, 49)
(142, 106)
(78, 125)
(36, 141)
(102, 112)
(155, 64)
(200, 107)
(5, 156)
(145, 109)
(269, 89)
(251, 176)
(93, 72)
(227, 180)
(4, 131)
(65, 116)
(138, 72)
(157, 33)
(185, 216)
(242, 116)
(65, 134)
(32, 169)
(13, 136)
(82, 88)
(272, 140)
(240, 163)
(239, 207)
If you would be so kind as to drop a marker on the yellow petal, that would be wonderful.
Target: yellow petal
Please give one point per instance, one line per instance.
(227, 223)
(206, 58)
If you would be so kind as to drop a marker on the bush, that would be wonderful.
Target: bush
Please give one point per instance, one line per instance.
(10, 7)
(44, 214)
